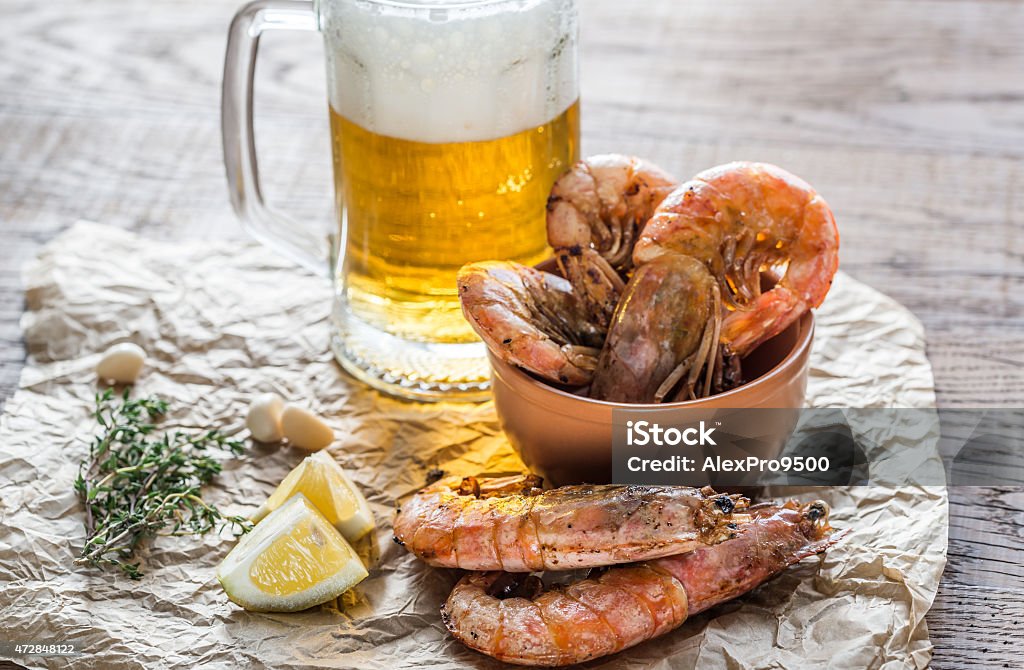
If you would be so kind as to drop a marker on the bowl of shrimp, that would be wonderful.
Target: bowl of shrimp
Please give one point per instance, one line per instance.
(567, 438)
(660, 295)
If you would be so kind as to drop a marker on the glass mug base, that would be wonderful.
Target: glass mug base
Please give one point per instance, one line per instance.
(412, 370)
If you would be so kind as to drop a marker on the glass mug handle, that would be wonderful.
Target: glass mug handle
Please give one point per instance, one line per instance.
(274, 229)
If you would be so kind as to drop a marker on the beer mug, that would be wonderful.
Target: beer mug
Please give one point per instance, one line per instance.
(450, 121)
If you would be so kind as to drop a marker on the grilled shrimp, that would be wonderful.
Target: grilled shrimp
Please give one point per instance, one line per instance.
(531, 319)
(513, 619)
(595, 212)
(510, 524)
(664, 332)
(746, 220)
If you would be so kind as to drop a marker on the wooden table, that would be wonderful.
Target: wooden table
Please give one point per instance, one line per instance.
(908, 115)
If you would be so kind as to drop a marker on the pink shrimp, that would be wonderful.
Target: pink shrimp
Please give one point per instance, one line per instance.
(664, 335)
(515, 620)
(746, 221)
(595, 213)
(510, 524)
(532, 319)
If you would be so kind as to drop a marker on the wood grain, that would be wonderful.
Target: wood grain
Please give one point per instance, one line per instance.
(908, 115)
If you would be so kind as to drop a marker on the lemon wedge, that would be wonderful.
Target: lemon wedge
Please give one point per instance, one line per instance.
(295, 559)
(325, 484)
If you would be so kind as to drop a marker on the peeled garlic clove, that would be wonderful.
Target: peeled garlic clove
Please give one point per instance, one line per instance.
(264, 418)
(305, 429)
(121, 363)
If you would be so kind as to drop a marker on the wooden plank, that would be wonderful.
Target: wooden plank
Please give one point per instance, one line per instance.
(976, 627)
(846, 73)
(985, 538)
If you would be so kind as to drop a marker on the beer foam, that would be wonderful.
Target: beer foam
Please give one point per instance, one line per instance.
(442, 71)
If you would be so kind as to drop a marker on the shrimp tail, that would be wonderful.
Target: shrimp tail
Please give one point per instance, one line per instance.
(769, 315)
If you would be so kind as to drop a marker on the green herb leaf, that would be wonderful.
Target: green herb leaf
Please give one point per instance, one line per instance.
(136, 485)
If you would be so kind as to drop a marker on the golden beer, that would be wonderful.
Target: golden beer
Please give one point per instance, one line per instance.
(450, 122)
(415, 212)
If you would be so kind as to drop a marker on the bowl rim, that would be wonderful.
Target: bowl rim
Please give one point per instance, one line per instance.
(806, 323)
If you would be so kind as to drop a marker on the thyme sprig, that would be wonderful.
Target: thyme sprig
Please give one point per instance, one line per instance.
(137, 484)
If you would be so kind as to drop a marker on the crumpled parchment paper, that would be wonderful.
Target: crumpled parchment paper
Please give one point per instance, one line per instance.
(223, 322)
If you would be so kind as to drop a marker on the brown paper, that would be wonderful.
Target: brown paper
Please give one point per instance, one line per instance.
(223, 322)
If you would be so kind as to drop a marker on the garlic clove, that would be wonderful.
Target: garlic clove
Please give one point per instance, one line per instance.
(264, 418)
(121, 363)
(305, 429)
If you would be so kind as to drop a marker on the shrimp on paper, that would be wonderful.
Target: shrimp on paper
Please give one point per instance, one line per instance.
(516, 620)
(747, 222)
(511, 524)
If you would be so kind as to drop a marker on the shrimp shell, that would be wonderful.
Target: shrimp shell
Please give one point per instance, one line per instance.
(510, 524)
(664, 332)
(627, 605)
(746, 221)
(531, 319)
(595, 213)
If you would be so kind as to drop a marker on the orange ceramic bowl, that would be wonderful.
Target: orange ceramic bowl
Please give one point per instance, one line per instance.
(568, 439)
